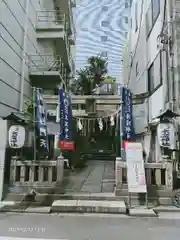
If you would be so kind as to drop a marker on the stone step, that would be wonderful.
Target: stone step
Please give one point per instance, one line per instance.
(102, 197)
(89, 196)
(45, 199)
(17, 197)
(83, 206)
(142, 212)
(155, 193)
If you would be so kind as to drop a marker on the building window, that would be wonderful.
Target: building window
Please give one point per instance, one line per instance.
(137, 69)
(74, 106)
(83, 106)
(104, 38)
(125, 34)
(131, 23)
(149, 20)
(104, 8)
(105, 23)
(126, 19)
(151, 78)
(104, 54)
(155, 74)
(136, 17)
(152, 15)
(155, 10)
(126, 5)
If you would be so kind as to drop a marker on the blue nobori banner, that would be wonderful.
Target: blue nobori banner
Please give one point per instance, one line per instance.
(41, 122)
(61, 113)
(65, 118)
(127, 116)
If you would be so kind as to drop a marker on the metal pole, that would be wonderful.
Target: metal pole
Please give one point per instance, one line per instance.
(146, 199)
(34, 120)
(171, 53)
(117, 133)
(24, 55)
(121, 125)
(129, 200)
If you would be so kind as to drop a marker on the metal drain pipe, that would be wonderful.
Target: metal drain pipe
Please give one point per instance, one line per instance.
(24, 50)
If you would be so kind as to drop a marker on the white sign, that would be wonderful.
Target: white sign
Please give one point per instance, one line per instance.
(135, 168)
(16, 136)
(166, 135)
(78, 112)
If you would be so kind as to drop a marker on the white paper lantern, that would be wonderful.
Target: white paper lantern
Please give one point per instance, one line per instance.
(17, 135)
(166, 135)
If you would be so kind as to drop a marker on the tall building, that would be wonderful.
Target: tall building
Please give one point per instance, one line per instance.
(101, 27)
(35, 48)
(151, 70)
(36, 37)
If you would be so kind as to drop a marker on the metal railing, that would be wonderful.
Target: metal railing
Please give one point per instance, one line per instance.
(57, 17)
(45, 63)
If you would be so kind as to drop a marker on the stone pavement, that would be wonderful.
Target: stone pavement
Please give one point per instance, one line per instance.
(97, 177)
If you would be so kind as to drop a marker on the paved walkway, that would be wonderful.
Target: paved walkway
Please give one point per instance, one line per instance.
(97, 177)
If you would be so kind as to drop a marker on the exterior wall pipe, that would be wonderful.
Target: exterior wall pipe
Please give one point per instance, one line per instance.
(171, 54)
(24, 56)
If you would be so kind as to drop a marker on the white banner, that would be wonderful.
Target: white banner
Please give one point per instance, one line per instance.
(135, 168)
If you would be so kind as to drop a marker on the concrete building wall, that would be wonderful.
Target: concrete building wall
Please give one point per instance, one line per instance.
(142, 51)
(12, 18)
(12, 25)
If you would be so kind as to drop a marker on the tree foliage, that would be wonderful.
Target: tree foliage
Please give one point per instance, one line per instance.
(90, 76)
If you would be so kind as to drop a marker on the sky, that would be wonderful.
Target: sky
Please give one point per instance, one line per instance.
(101, 27)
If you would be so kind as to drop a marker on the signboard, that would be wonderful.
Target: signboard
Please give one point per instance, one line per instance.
(166, 135)
(79, 112)
(65, 118)
(135, 168)
(17, 135)
(67, 145)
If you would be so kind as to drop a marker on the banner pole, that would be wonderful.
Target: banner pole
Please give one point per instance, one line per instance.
(121, 125)
(34, 120)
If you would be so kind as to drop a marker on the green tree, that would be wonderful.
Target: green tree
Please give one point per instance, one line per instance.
(97, 68)
(90, 76)
(84, 81)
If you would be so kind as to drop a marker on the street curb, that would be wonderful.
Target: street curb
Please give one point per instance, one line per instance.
(27, 210)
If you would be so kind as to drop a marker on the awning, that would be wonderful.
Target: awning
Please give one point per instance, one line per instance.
(168, 113)
(19, 117)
